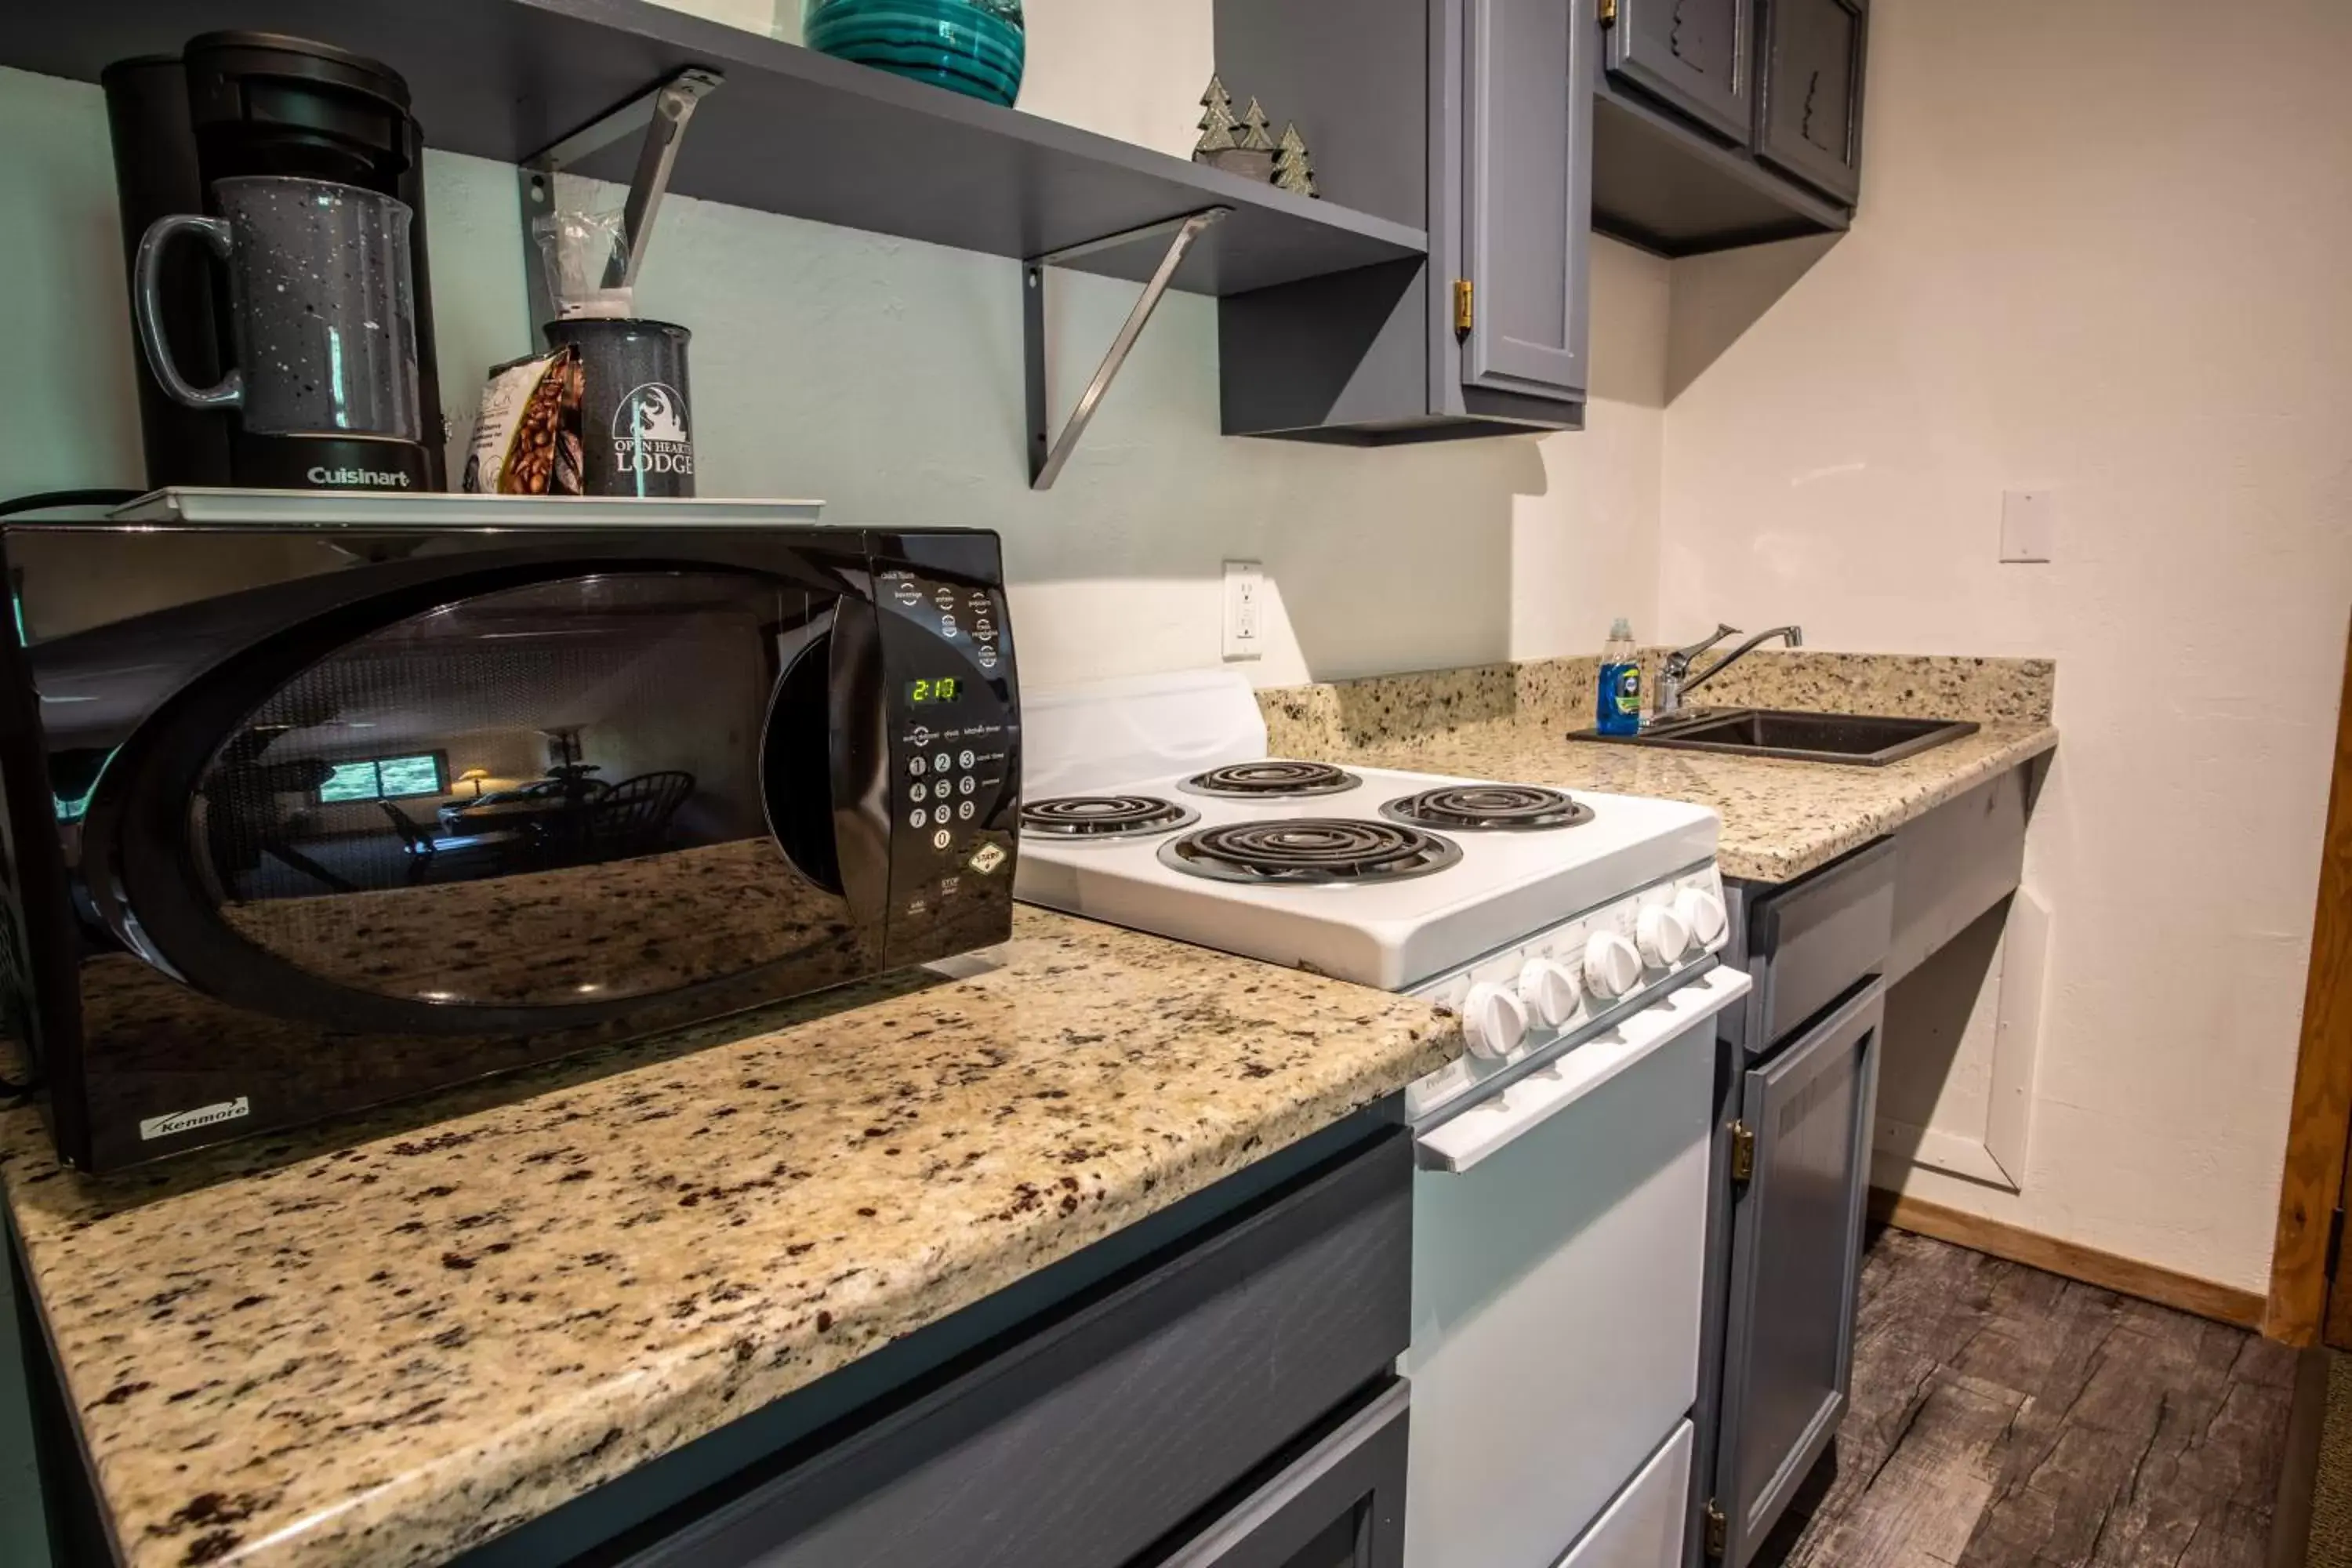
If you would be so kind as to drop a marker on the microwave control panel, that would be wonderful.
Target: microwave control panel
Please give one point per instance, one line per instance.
(953, 771)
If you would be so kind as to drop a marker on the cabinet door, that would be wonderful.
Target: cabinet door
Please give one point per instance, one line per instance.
(1528, 195)
(1796, 1255)
(1692, 54)
(1811, 118)
(1341, 1505)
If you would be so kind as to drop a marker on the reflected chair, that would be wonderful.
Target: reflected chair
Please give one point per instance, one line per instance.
(634, 816)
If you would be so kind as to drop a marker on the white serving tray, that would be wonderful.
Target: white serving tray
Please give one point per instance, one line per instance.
(207, 508)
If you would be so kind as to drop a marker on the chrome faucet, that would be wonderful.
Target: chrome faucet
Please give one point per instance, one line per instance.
(1677, 682)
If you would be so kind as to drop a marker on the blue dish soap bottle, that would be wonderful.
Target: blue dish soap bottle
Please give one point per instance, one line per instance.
(1621, 683)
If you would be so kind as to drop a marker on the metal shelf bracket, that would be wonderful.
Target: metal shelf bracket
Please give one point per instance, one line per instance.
(1048, 452)
(661, 112)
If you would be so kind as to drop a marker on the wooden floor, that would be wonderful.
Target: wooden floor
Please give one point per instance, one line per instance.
(2003, 1418)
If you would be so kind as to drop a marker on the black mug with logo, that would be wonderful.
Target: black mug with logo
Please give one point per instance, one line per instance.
(636, 426)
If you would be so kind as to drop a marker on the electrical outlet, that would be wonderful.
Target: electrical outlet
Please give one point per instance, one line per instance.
(2029, 525)
(1244, 608)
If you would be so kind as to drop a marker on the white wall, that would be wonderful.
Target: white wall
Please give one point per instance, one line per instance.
(2102, 249)
(884, 376)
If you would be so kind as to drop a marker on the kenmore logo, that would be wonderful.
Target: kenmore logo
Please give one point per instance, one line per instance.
(326, 476)
(188, 1121)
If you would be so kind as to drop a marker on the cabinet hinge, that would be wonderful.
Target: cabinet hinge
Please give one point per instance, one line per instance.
(2334, 1242)
(1743, 1152)
(1718, 1530)
(1608, 12)
(1463, 315)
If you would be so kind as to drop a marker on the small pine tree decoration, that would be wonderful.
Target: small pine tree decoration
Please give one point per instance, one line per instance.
(1292, 171)
(1255, 126)
(1217, 122)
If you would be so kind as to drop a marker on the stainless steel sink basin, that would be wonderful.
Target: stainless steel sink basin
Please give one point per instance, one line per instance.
(1860, 739)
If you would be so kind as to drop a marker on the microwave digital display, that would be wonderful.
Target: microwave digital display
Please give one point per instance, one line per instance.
(933, 692)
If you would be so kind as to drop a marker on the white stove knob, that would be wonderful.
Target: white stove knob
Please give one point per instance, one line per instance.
(1611, 967)
(1494, 1021)
(1702, 911)
(1664, 936)
(1549, 991)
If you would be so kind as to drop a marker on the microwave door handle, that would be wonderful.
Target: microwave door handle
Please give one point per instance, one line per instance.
(1483, 1130)
(856, 735)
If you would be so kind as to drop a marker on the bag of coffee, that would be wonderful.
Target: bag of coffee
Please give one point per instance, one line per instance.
(527, 440)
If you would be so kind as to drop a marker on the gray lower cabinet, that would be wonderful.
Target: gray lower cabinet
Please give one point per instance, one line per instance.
(1339, 1505)
(1811, 120)
(1695, 55)
(1795, 1087)
(1256, 1364)
(1796, 1255)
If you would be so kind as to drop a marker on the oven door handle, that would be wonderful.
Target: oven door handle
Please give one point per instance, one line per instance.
(1486, 1129)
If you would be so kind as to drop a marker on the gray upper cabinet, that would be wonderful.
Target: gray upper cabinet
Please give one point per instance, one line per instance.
(1527, 197)
(1471, 119)
(1811, 123)
(1695, 55)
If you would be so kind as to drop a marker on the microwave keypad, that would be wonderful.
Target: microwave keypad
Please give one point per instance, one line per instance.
(950, 747)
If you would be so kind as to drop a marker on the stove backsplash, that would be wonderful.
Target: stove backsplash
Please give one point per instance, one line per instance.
(1331, 718)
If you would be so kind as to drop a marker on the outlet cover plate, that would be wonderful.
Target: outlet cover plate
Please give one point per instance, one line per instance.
(1244, 613)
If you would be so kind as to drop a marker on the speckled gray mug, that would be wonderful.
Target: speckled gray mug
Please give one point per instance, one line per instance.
(322, 312)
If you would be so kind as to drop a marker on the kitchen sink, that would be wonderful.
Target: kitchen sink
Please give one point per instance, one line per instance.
(1860, 740)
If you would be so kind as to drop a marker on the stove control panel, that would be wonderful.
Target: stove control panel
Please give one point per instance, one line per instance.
(1523, 999)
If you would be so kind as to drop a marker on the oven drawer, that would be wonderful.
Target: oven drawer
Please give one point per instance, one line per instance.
(1089, 1439)
(1643, 1528)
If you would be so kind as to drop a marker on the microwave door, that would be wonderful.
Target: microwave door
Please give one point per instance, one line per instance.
(535, 809)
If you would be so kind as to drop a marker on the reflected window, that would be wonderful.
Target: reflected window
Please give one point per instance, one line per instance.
(386, 778)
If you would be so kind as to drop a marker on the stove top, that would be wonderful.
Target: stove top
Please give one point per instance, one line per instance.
(1488, 808)
(1105, 815)
(1272, 779)
(1340, 883)
(1309, 851)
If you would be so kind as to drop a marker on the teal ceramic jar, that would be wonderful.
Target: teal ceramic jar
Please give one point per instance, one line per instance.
(973, 47)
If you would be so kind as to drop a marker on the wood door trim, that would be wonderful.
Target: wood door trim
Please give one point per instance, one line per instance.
(2320, 1114)
(2069, 1259)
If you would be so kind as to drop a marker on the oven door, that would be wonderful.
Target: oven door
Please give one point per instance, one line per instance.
(466, 810)
(1558, 1250)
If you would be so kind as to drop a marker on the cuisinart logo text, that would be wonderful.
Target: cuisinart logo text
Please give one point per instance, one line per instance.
(649, 435)
(368, 477)
(188, 1121)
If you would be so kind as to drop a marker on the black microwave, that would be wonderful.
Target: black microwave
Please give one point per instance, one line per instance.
(305, 816)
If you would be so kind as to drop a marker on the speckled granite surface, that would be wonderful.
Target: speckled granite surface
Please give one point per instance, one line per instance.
(428, 1326)
(1781, 819)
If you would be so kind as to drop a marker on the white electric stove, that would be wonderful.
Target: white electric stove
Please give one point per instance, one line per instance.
(1559, 1211)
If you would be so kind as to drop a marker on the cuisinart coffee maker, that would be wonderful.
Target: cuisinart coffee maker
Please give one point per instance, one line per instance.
(233, 105)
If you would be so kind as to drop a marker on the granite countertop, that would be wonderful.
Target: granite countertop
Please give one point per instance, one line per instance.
(392, 1341)
(1781, 819)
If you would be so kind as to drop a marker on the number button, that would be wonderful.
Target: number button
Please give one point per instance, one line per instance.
(942, 761)
(943, 816)
(917, 817)
(965, 785)
(941, 839)
(917, 791)
(965, 810)
(965, 761)
(917, 766)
